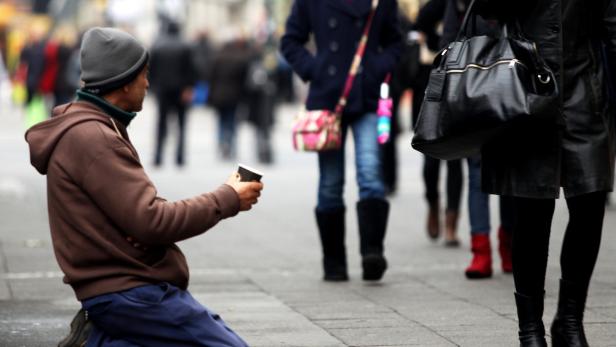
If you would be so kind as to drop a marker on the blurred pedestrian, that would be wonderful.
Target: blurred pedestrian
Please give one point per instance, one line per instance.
(400, 82)
(32, 57)
(172, 76)
(479, 202)
(429, 18)
(227, 87)
(337, 27)
(113, 237)
(574, 152)
(260, 101)
(202, 53)
(479, 218)
(67, 80)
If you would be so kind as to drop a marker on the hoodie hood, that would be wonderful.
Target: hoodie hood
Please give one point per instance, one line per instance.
(42, 138)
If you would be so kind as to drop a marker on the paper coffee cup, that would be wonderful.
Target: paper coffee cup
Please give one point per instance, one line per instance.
(248, 174)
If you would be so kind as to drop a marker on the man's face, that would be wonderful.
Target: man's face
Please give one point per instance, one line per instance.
(136, 91)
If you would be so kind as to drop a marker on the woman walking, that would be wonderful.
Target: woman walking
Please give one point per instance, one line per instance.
(574, 151)
(337, 26)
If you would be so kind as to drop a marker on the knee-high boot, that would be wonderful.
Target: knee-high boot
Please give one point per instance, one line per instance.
(530, 313)
(568, 329)
(331, 230)
(372, 216)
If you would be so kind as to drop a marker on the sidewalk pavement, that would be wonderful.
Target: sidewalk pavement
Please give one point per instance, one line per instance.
(261, 271)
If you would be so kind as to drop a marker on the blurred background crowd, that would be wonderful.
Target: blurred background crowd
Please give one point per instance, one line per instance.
(227, 51)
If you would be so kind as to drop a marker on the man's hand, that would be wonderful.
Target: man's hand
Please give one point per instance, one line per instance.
(248, 192)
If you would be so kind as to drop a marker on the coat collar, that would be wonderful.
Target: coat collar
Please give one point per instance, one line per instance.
(354, 8)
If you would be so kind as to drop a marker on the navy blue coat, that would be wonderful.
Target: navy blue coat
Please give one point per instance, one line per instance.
(337, 26)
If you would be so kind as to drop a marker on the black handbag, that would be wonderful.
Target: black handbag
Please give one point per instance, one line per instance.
(478, 87)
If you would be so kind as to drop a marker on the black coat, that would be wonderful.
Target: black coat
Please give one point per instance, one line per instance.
(576, 151)
(171, 67)
(337, 26)
(228, 74)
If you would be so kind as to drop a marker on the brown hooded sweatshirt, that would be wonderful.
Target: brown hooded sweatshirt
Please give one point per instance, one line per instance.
(98, 194)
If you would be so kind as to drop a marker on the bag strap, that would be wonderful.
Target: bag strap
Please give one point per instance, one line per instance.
(361, 48)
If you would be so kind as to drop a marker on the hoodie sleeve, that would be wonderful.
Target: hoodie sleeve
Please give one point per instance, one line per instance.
(120, 187)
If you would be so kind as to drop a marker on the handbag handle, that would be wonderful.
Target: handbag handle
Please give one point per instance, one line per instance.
(359, 53)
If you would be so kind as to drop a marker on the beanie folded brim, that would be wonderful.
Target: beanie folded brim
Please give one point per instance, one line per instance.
(120, 80)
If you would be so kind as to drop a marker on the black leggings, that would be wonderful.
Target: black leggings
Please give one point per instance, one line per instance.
(532, 235)
(431, 172)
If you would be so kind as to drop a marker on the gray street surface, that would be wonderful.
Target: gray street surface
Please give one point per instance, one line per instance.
(261, 271)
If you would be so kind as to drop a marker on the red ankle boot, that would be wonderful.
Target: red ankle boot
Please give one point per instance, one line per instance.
(481, 265)
(504, 248)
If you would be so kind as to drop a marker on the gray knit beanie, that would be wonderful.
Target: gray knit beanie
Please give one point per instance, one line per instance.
(110, 59)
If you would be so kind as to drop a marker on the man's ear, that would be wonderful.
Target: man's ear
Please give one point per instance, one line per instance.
(125, 88)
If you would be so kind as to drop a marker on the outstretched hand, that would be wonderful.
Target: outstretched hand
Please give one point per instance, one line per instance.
(248, 192)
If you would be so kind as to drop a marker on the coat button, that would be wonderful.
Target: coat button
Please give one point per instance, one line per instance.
(333, 46)
(333, 23)
(331, 70)
(555, 29)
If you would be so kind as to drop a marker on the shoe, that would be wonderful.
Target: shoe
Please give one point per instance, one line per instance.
(335, 273)
(331, 231)
(505, 244)
(568, 328)
(80, 329)
(481, 265)
(374, 266)
(451, 226)
(530, 314)
(433, 221)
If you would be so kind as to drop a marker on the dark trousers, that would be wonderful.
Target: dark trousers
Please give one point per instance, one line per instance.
(155, 316)
(389, 155)
(170, 102)
(431, 173)
(532, 235)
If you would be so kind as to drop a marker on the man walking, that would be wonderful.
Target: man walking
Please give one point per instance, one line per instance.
(173, 76)
(113, 237)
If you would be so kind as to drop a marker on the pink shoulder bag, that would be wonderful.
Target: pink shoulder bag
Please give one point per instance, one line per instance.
(319, 130)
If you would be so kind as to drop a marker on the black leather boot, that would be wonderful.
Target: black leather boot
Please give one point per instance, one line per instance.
(567, 329)
(331, 230)
(372, 216)
(530, 313)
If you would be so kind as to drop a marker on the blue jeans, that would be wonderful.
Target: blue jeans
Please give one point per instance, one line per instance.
(155, 316)
(367, 163)
(479, 203)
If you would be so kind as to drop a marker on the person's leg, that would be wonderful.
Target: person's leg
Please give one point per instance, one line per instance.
(454, 192)
(388, 150)
(531, 238)
(431, 172)
(226, 131)
(156, 316)
(479, 216)
(181, 114)
(505, 232)
(372, 208)
(161, 128)
(577, 260)
(330, 213)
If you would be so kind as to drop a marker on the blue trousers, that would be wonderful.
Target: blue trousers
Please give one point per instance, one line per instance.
(479, 203)
(367, 163)
(153, 316)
